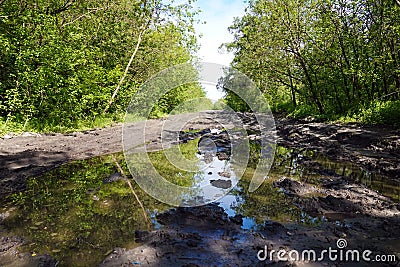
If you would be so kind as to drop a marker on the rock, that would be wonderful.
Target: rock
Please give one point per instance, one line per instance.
(141, 236)
(289, 186)
(7, 136)
(222, 156)
(202, 217)
(273, 228)
(29, 134)
(205, 132)
(225, 174)
(238, 219)
(224, 184)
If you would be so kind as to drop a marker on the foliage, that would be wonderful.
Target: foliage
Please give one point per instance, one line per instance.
(185, 98)
(72, 214)
(219, 105)
(235, 102)
(325, 58)
(194, 105)
(378, 112)
(387, 112)
(61, 60)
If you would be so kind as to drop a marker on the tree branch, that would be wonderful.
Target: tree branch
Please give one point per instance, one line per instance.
(145, 25)
(64, 7)
(132, 190)
(85, 15)
(125, 73)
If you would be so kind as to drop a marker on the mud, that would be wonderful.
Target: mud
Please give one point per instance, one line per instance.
(375, 148)
(207, 236)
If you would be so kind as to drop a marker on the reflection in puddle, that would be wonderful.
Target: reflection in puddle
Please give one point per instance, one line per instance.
(76, 214)
(310, 167)
(82, 210)
(196, 172)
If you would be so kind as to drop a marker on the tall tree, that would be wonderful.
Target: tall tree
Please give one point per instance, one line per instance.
(327, 57)
(61, 61)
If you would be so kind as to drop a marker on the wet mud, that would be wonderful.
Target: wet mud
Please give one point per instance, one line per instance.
(343, 179)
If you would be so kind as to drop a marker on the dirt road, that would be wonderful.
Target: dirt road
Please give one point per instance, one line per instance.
(373, 147)
(368, 217)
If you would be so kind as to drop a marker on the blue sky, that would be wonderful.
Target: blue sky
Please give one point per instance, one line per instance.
(218, 15)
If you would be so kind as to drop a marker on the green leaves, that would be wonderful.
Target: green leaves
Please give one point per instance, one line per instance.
(328, 56)
(60, 62)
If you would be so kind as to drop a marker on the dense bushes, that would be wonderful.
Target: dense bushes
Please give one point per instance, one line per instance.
(322, 58)
(61, 61)
(386, 112)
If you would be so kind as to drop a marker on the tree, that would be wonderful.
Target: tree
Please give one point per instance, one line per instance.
(320, 57)
(62, 60)
(152, 14)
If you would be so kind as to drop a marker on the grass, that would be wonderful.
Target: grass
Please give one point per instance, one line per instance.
(16, 128)
(378, 112)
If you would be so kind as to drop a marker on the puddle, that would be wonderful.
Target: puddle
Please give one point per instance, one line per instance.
(79, 212)
(77, 215)
(310, 167)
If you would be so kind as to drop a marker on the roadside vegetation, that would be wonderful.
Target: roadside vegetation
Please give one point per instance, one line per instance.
(76, 64)
(334, 60)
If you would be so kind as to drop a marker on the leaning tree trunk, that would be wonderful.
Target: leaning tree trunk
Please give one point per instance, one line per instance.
(125, 73)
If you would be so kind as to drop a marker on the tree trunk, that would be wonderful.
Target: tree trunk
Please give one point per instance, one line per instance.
(125, 73)
(292, 89)
(338, 100)
(310, 83)
(396, 62)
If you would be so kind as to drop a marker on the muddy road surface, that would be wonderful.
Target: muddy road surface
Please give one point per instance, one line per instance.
(376, 148)
(206, 236)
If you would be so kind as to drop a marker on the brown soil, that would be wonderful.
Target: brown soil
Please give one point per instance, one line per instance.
(375, 147)
(205, 236)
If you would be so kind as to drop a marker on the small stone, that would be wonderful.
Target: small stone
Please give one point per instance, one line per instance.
(224, 184)
(29, 134)
(222, 156)
(225, 174)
